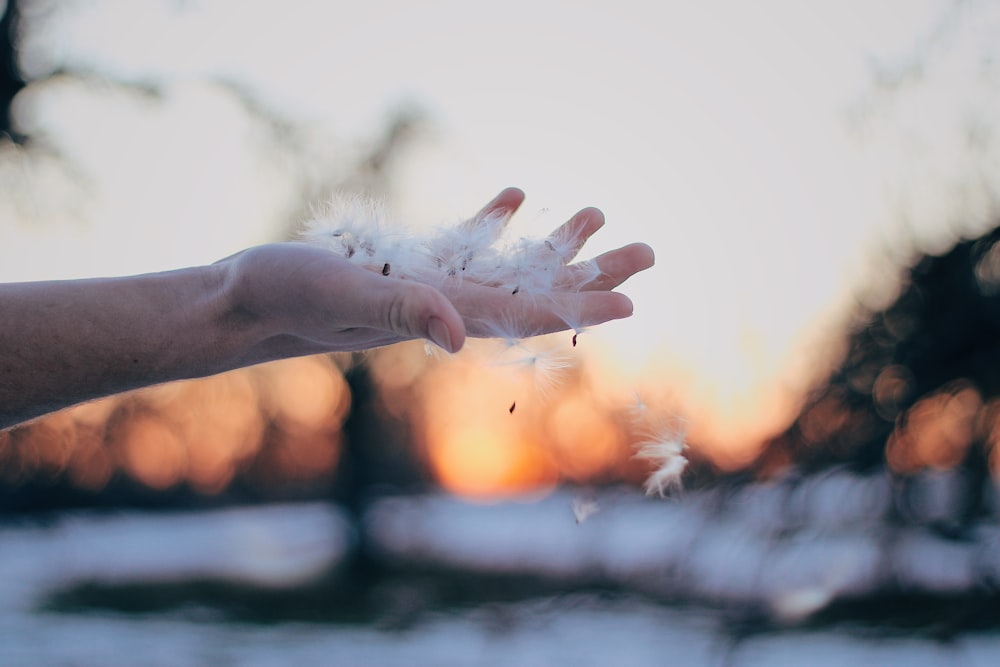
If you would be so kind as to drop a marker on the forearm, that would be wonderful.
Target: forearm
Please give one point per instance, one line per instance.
(70, 341)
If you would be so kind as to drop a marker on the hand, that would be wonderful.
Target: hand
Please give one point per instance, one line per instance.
(63, 342)
(311, 300)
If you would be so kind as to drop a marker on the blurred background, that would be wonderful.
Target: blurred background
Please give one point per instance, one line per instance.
(820, 184)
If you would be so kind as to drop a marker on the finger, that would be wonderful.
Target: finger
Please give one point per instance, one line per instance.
(495, 313)
(497, 213)
(422, 311)
(609, 270)
(408, 309)
(504, 204)
(619, 265)
(579, 310)
(569, 238)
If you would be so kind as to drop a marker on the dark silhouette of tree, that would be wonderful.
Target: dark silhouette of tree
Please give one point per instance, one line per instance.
(11, 82)
(939, 341)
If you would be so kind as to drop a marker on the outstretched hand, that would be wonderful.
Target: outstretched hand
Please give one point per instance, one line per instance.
(64, 342)
(309, 299)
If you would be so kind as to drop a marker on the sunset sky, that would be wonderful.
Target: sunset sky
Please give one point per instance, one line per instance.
(748, 143)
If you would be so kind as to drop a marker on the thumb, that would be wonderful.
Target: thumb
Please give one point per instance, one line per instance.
(416, 310)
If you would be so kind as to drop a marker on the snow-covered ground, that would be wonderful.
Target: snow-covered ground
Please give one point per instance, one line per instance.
(786, 551)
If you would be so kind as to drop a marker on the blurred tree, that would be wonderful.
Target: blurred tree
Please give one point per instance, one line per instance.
(919, 384)
(11, 82)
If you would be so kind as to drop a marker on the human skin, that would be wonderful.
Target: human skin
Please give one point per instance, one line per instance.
(66, 342)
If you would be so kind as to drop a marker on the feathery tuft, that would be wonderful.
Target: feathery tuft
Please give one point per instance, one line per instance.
(664, 448)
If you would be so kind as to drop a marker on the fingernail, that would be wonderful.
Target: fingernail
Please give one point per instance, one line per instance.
(439, 333)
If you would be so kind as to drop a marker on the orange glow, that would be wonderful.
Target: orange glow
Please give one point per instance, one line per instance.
(217, 420)
(200, 432)
(91, 466)
(306, 392)
(730, 409)
(153, 453)
(936, 432)
(57, 440)
(479, 426)
(479, 462)
(488, 429)
(584, 440)
(221, 422)
(731, 434)
(989, 430)
(299, 456)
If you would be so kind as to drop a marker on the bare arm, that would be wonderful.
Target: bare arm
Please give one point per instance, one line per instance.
(65, 342)
(69, 341)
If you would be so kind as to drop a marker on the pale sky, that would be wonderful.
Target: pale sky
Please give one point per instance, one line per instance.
(716, 132)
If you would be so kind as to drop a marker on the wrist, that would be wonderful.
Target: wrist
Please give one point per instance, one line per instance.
(242, 327)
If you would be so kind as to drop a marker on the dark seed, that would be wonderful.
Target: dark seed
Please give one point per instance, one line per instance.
(385, 269)
(512, 406)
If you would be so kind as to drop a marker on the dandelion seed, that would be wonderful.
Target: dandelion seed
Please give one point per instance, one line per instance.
(667, 477)
(505, 329)
(547, 368)
(584, 509)
(558, 251)
(639, 407)
(358, 229)
(529, 266)
(468, 248)
(661, 449)
(487, 230)
(571, 313)
(584, 273)
(432, 350)
(665, 451)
